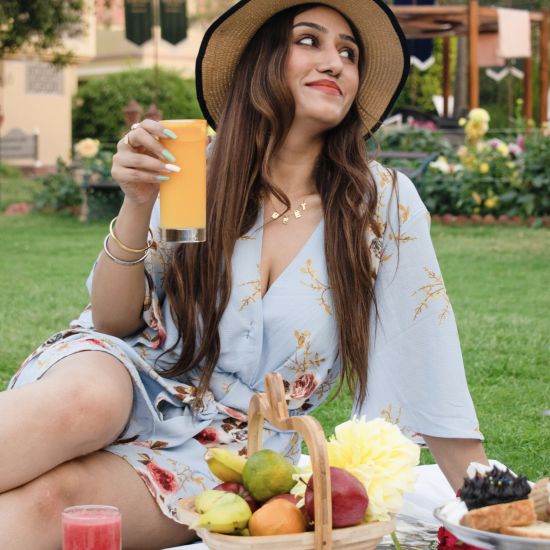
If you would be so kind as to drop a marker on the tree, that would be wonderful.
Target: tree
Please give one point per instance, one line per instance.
(40, 25)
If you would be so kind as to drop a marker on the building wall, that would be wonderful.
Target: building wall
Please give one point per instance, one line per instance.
(37, 98)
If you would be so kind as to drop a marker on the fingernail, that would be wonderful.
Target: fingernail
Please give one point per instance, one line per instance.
(169, 133)
(168, 155)
(172, 168)
(162, 178)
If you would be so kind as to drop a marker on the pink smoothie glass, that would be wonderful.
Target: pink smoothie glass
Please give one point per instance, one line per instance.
(91, 527)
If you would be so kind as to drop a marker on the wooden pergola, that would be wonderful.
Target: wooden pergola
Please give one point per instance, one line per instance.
(470, 21)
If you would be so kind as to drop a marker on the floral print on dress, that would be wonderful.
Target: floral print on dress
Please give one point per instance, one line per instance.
(316, 285)
(292, 330)
(433, 290)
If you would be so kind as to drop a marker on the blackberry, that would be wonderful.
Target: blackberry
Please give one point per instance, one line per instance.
(495, 487)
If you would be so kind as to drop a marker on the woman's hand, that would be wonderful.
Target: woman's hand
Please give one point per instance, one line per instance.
(141, 163)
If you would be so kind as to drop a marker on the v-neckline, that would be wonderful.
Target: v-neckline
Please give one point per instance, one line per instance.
(260, 240)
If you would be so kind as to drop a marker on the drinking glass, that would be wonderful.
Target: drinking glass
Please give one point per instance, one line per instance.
(91, 527)
(183, 196)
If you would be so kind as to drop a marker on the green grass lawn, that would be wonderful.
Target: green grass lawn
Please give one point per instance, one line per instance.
(497, 279)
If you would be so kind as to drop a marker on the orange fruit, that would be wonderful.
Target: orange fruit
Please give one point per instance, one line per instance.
(277, 517)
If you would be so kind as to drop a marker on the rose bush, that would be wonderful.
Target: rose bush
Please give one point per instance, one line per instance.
(496, 177)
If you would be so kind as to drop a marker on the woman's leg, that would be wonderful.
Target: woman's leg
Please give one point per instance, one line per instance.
(30, 516)
(80, 405)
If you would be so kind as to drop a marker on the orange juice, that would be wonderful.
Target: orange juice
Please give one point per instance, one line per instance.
(183, 197)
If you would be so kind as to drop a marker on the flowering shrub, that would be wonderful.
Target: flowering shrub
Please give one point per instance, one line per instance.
(491, 176)
(95, 161)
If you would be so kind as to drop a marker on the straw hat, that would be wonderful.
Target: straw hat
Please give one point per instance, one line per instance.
(387, 59)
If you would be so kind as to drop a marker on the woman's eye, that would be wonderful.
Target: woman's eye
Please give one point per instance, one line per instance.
(307, 41)
(348, 53)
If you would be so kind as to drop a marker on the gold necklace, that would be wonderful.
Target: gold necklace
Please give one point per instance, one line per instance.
(297, 213)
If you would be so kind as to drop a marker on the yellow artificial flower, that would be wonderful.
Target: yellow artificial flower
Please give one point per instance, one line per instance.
(519, 101)
(491, 202)
(462, 121)
(87, 148)
(484, 168)
(380, 456)
(502, 148)
(479, 115)
(476, 197)
(510, 164)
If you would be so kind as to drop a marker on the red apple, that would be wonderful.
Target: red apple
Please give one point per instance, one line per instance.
(238, 489)
(349, 498)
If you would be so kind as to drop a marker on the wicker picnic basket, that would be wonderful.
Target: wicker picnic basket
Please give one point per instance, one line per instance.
(272, 407)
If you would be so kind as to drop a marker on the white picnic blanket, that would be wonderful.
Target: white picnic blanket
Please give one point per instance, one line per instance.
(432, 490)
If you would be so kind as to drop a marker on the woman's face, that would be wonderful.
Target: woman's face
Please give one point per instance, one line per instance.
(322, 68)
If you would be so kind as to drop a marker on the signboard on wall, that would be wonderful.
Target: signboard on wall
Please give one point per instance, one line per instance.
(16, 144)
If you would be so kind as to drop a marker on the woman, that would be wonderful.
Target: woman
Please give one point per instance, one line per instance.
(316, 266)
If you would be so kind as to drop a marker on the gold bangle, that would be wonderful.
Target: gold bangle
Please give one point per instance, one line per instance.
(118, 261)
(123, 246)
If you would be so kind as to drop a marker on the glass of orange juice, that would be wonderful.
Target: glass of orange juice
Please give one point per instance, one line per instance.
(183, 196)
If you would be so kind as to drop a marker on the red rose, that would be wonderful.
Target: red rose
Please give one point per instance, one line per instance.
(303, 386)
(447, 541)
(206, 436)
(163, 478)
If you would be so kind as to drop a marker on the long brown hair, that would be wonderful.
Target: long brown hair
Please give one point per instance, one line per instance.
(258, 112)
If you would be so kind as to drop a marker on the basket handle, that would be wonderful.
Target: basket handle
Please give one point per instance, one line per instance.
(272, 406)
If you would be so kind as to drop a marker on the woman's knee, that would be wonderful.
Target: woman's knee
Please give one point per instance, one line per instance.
(47, 496)
(92, 398)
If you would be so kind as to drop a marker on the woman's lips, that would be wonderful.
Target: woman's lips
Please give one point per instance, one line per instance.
(326, 87)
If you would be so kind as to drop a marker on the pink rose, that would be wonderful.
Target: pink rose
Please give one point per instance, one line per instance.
(303, 386)
(164, 479)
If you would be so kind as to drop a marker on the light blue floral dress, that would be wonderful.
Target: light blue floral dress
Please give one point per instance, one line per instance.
(416, 376)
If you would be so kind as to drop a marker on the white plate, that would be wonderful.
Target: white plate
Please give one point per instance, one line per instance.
(449, 515)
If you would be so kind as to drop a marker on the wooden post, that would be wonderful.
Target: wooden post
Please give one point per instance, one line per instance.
(473, 34)
(528, 88)
(544, 35)
(446, 77)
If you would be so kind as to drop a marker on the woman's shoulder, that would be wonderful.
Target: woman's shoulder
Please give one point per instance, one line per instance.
(397, 194)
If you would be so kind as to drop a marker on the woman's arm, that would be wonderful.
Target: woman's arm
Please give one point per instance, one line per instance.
(118, 290)
(453, 456)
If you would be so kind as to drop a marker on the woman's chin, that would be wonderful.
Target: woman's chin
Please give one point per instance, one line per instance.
(320, 122)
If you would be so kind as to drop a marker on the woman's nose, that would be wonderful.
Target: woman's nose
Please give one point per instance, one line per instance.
(331, 62)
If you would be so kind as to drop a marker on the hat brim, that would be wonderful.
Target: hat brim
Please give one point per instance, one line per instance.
(386, 67)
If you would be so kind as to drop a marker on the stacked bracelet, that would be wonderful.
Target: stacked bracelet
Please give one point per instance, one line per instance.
(123, 246)
(118, 260)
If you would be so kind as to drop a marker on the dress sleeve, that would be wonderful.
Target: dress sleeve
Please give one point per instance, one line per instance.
(155, 267)
(416, 374)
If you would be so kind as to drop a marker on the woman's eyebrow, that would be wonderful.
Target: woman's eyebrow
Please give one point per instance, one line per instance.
(324, 30)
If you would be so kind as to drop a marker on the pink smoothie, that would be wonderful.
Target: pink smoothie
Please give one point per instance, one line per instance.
(91, 528)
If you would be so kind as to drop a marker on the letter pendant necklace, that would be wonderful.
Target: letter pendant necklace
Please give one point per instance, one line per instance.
(286, 217)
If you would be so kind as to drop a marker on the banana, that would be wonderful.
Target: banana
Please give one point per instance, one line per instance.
(225, 465)
(229, 515)
(207, 500)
